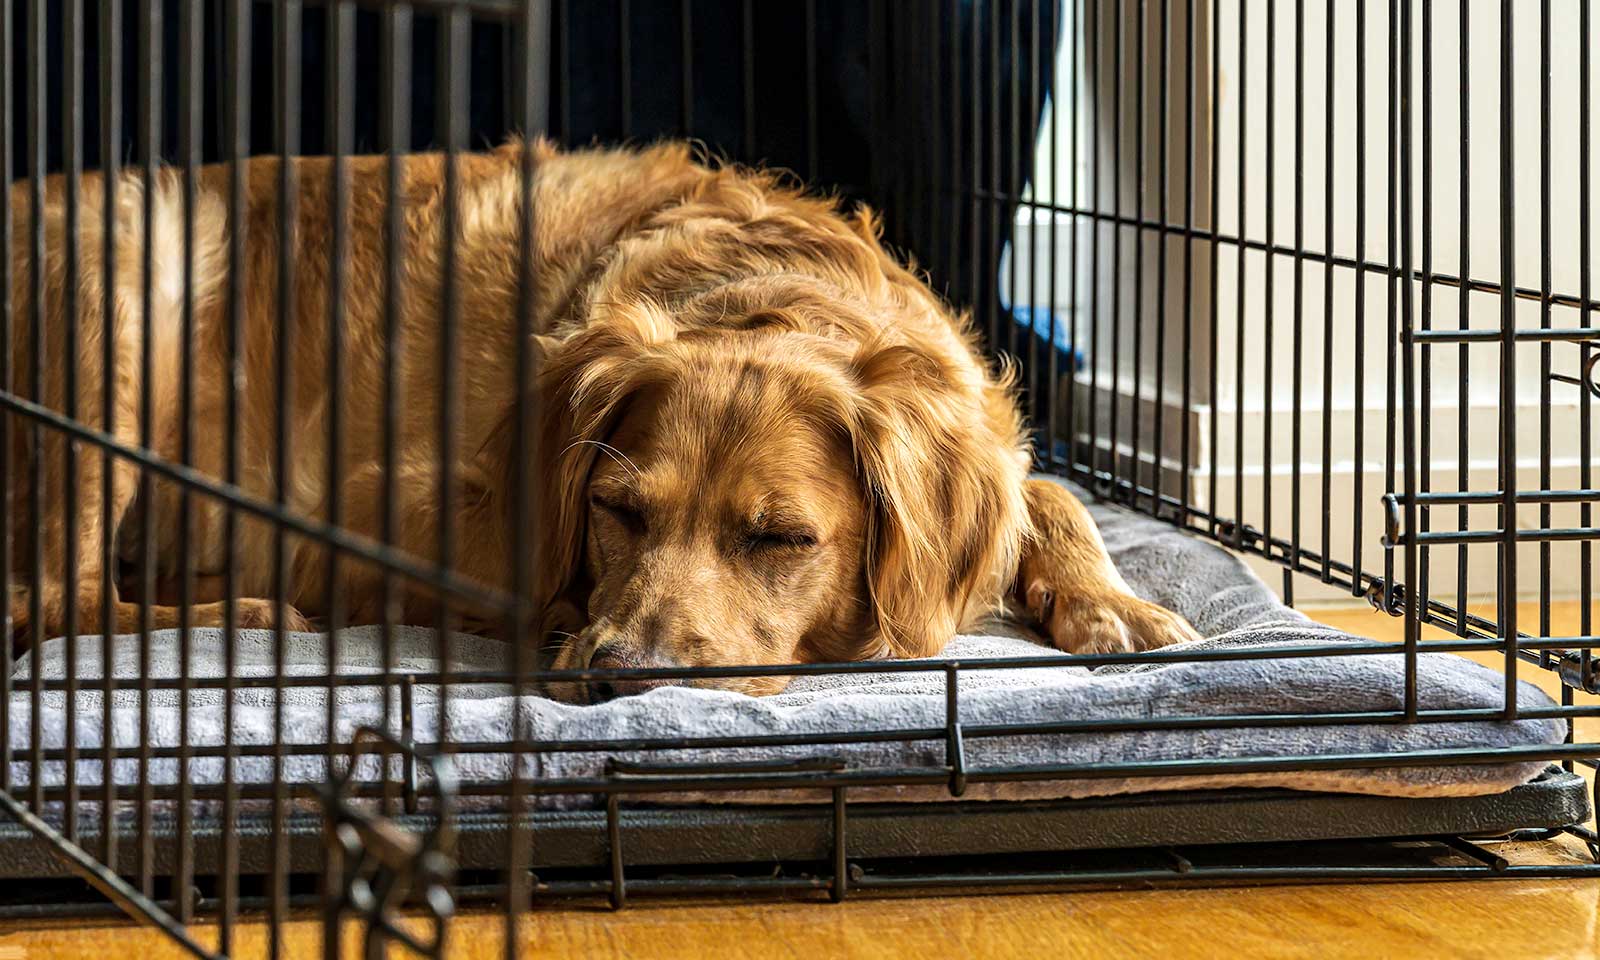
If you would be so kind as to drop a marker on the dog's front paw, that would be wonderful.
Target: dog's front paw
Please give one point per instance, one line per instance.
(1097, 623)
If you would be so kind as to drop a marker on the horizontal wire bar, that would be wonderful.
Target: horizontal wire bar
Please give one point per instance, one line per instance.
(1531, 334)
(1531, 535)
(971, 731)
(1311, 256)
(1496, 496)
(933, 775)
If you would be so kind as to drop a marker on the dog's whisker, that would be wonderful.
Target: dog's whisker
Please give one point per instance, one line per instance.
(616, 455)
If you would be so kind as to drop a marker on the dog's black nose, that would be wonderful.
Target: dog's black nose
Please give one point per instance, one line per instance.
(617, 658)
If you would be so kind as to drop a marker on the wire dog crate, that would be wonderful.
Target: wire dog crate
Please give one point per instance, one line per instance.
(1229, 243)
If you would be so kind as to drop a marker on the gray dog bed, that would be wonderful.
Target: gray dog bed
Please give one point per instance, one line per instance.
(1226, 603)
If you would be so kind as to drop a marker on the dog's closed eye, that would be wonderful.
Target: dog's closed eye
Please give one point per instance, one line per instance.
(625, 512)
(768, 539)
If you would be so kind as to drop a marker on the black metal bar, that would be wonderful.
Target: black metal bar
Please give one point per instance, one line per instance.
(1078, 40)
(1426, 310)
(1407, 323)
(525, 505)
(1269, 311)
(453, 132)
(238, 114)
(1360, 341)
(1585, 403)
(1327, 298)
(1096, 85)
(1545, 215)
(1463, 306)
(111, 175)
(1212, 180)
(1508, 366)
(813, 130)
(286, 126)
(1298, 307)
(1118, 32)
(1185, 467)
(150, 123)
(192, 76)
(1139, 178)
(72, 150)
(1163, 113)
(341, 134)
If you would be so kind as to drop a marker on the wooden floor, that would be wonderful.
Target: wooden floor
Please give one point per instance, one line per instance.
(1499, 920)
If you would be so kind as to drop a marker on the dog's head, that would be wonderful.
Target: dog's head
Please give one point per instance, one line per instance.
(755, 491)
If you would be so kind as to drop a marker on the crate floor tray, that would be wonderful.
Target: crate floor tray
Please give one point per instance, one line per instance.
(738, 834)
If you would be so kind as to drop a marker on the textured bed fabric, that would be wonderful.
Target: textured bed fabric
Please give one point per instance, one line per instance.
(1227, 604)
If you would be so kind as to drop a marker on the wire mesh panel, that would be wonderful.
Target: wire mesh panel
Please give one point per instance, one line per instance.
(1277, 272)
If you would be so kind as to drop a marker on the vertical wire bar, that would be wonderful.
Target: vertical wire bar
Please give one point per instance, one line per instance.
(1585, 440)
(1425, 479)
(8, 383)
(1407, 327)
(1216, 232)
(1463, 306)
(996, 188)
(286, 105)
(1053, 99)
(1544, 317)
(1119, 29)
(625, 66)
(72, 154)
(563, 49)
(1188, 258)
(938, 192)
(192, 80)
(150, 119)
(1241, 282)
(341, 96)
(238, 116)
(747, 54)
(686, 56)
(1075, 244)
(976, 286)
(1359, 409)
(36, 310)
(1034, 196)
(1299, 279)
(953, 187)
(1393, 272)
(1009, 202)
(1327, 300)
(110, 173)
(1137, 399)
(525, 505)
(1508, 359)
(1096, 201)
(1163, 236)
(454, 133)
(812, 130)
(1269, 268)
(397, 36)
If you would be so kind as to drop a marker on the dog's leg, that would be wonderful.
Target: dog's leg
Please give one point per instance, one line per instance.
(1068, 585)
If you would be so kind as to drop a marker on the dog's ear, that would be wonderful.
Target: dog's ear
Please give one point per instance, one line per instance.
(944, 488)
(585, 382)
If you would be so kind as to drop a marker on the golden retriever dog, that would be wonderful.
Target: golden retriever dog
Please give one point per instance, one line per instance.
(762, 438)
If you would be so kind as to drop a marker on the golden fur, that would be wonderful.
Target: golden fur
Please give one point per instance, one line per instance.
(762, 438)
